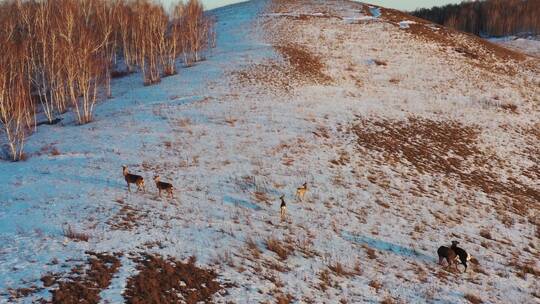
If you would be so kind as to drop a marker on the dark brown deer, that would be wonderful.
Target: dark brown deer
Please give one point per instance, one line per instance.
(448, 254)
(163, 186)
(462, 255)
(133, 179)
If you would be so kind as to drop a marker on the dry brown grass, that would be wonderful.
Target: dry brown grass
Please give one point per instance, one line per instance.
(523, 269)
(70, 233)
(158, 282)
(127, 218)
(262, 197)
(510, 107)
(423, 143)
(48, 280)
(372, 255)
(340, 270)
(253, 248)
(14, 294)
(358, 268)
(269, 76)
(478, 52)
(55, 151)
(343, 159)
(84, 285)
(473, 299)
(284, 299)
(282, 249)
(326, 280)
(306, 65)
(485, 234)
(443, 147)
(375, 284)
(388, 300)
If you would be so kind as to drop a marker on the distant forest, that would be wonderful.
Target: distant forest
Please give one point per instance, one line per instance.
(487, 18)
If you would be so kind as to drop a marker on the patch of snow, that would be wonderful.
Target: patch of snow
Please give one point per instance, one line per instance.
(114, 293)
(502, 39)
(359, 18)
(406, 24)
(375, 11)
(434, 27)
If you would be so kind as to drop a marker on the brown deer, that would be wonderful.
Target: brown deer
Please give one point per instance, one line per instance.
(163, 186)
(133, 179)
(301, 191)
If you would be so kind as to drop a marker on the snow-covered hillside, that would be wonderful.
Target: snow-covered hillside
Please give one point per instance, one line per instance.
(408, 135)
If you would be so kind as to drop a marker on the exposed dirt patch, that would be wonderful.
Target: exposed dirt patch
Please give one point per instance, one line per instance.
(85, 282)
(169, 281)
(14, 295)
(82, 284)
(300, 67)
(442, 147)
(127, 218)
(284, 6)
(306, 65)
(283, 250)
(473, 299)
(430, 146)
(532, 150)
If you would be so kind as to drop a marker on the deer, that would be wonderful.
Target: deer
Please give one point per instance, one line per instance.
(449, 254)
(163, 186)
(461, 255)
(133, 179)
(301, 191)
(283, 207)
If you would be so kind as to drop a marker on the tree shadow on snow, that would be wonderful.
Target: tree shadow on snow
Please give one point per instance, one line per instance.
(107, 182)
(386, 246)
(240, 202)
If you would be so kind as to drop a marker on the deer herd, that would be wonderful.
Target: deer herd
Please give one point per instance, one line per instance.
(453, 255)
(139, 182)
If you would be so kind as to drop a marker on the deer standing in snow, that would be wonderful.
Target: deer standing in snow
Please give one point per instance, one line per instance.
(133, 179)
(163, 186)
(301, 191)
(283, 208)
(448, 254)
(461, 255)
